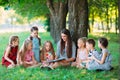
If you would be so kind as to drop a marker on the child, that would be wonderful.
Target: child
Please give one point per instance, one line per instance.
(10, 54)
(36, 43)
(82, 53)
(26, 55)
(90, 45)
(47, 54)
(104, 63)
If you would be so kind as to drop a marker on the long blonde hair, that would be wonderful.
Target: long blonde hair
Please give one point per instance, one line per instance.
(44, 50)
(84, 39)
(24, 48)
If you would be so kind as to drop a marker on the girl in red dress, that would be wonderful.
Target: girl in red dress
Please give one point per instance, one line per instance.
(10, 54)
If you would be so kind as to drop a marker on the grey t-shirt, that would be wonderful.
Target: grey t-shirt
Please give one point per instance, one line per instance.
(109, 57)
(64, 54)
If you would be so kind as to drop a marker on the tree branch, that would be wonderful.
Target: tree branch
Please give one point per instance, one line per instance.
(50, 6)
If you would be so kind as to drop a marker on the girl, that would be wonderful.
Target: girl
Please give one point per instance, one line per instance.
(65, 49)
(82, 53)
(47, 53)
(36, 41)
(10, 55)
(104, 63)
(25, 55)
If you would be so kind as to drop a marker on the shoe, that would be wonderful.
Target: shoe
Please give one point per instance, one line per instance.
(82, 65)
(41, 67)
(50, 68)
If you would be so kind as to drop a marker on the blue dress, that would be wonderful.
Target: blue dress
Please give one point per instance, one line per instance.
(93, 65)
(36, 48)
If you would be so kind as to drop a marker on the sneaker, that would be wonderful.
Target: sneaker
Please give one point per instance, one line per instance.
(41, 66)
(82, 64)
(50, 68)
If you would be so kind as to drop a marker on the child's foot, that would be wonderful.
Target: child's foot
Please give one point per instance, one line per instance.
(50, 67)
(46, 67)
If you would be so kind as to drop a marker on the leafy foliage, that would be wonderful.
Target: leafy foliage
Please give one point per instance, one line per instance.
(28, 8)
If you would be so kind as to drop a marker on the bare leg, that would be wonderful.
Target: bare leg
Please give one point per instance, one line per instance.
(74, 64)
(11, 66)
(61, 63)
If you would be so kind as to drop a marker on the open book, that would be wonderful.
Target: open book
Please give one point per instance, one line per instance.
(56, 60)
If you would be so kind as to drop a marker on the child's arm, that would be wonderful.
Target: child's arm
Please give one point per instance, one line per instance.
(19, 58)
(77, 58)
(6, 55)
(87, 59)
(102, 60)
(33, 60)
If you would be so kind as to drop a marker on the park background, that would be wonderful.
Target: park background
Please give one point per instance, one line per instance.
(84, 18)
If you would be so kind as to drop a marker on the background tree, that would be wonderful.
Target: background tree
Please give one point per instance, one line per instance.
(119, 15)
(100, 11)
(78, 18)
(58, 12)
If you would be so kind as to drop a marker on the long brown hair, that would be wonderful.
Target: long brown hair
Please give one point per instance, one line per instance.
(13, 38)
(44, 50)
(24, 48)
(69, 43)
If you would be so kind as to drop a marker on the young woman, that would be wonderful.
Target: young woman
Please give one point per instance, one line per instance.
(65, 49)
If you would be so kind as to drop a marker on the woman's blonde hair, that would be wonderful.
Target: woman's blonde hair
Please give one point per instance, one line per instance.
(24, 48)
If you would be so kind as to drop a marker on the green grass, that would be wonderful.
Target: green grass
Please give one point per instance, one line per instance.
(61, 73)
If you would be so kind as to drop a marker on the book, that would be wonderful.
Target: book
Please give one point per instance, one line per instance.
(56, 60)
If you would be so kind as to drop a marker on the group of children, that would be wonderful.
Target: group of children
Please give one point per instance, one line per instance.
(30, 54)
(88, 57)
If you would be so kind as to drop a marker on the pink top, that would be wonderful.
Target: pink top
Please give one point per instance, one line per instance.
(28, 56)
(82, 55)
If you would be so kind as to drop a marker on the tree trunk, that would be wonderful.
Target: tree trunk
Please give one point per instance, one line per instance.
(92, 20)
(116, 20)
(107, 19)
(119, 15)
(119, 30)
(102, 25)
(58, 11)
(78, 18)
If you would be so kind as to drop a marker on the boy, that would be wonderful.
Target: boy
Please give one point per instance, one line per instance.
(36, 41)
(90, 45)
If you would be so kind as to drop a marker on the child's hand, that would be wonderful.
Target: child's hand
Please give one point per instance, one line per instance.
(93, 57)
(90, 58)
(35, 62)
(12, 63)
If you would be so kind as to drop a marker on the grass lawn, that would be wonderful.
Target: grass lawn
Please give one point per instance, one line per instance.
(61, 73)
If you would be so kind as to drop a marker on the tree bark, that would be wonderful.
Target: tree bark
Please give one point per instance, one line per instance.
(107, 19)
(119, 31)
(92, 20)
(58, 11)
(119, 15)
(78, 18)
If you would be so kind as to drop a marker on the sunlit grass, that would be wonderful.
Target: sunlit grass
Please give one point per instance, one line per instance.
(61, 73)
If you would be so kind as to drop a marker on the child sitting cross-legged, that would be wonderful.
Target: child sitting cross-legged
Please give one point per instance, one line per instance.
(26, 55)
(47, 54)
